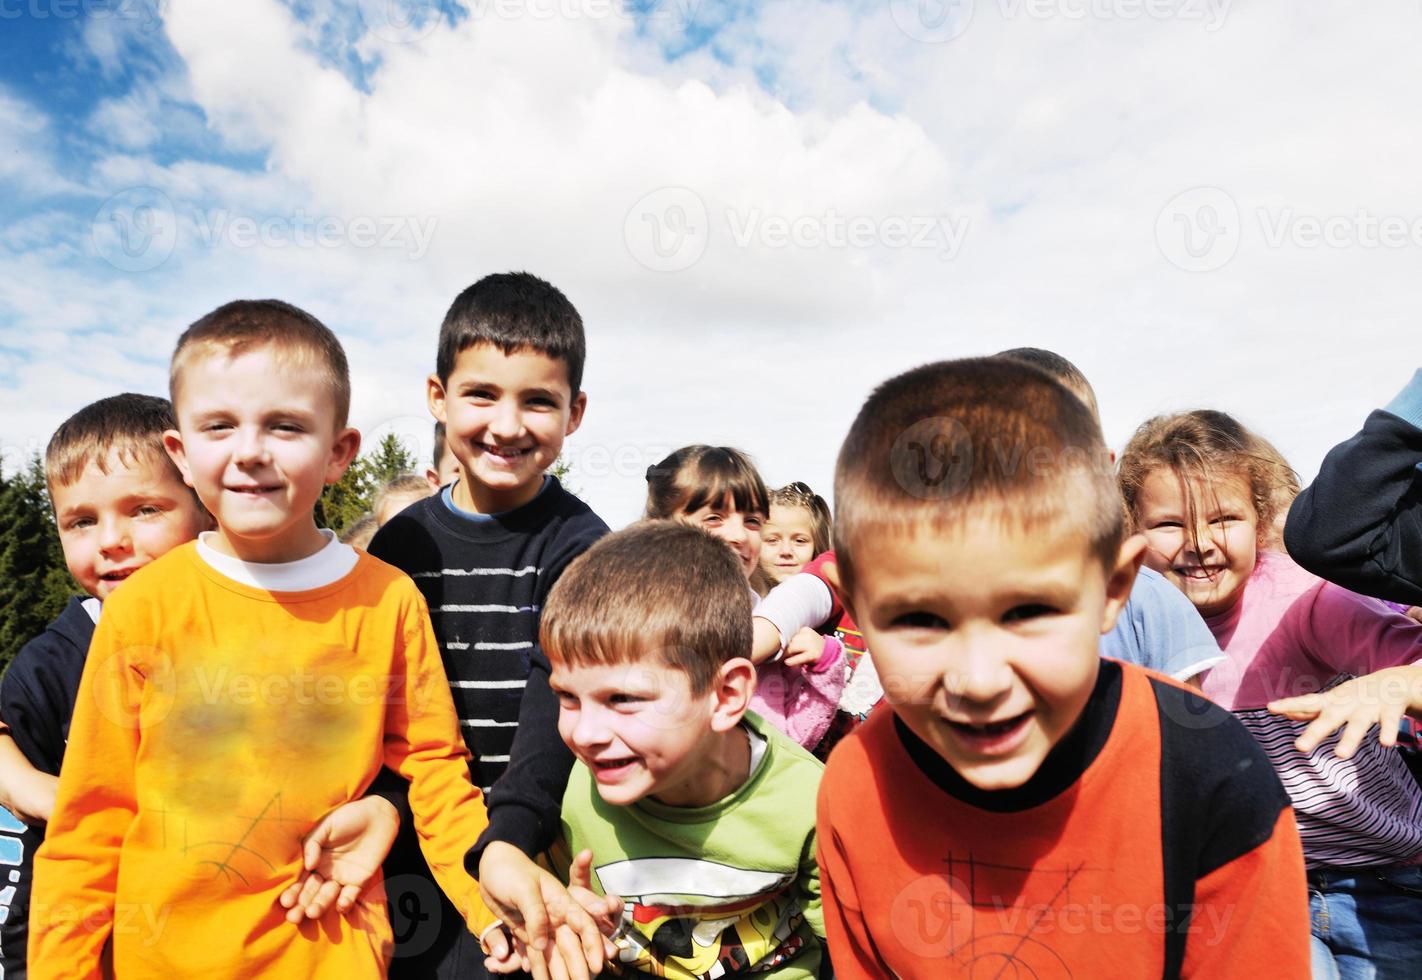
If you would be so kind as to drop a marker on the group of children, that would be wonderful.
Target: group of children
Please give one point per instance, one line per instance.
(1017, 709)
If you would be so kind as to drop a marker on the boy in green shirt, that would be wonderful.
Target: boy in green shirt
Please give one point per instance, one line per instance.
(698, 814)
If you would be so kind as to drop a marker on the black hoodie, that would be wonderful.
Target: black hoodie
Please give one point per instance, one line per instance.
(37, 697)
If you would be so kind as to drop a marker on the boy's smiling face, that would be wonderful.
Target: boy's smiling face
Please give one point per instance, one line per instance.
(985, 636)
(505, 416)
(113, 523)
(639, 729)
(257, 439)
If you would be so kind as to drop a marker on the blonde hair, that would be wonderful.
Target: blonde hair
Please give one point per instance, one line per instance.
(800, 495)
(1206, 445)
(251, 324)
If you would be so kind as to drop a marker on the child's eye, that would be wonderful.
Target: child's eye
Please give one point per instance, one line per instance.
(753, 522)
(149, 510)
(1226, 519)
(1026, 611)
(712, 519)
(1161, 525)
(921, 621)
(624, 699)
(80, 523)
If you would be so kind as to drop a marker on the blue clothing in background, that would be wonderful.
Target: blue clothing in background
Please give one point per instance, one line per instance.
(1160, 629)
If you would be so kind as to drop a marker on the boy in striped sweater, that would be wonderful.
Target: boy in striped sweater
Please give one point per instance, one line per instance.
(484, 551)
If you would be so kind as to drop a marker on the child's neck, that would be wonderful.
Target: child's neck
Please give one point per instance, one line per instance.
(476, 498)
(293, 544)
(725, 767)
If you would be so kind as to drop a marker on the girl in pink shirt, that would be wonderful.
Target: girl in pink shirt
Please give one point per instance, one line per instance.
(1203, 492)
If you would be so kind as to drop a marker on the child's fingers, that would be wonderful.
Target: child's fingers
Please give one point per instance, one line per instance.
(580, 873)
(322, 901)
(347, 900)
(1318, 729)
(287, 898)
(496, 944)
(1301, 708)
(1389, 722)
(311, 848)
(1357, 729)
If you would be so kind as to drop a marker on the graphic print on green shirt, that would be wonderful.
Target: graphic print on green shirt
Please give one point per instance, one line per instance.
(717, 891)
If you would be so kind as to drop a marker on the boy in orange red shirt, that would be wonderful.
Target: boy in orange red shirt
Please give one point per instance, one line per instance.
(1026, 806)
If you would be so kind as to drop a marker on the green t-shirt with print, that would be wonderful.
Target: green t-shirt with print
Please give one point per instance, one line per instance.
(716, 891)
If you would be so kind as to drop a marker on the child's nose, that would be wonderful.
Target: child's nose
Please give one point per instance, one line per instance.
(251, 447)
(113, 535)
(591, 730)
(507, 421)
(981, 673)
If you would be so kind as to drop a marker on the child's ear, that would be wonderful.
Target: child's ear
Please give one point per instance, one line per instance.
(575, 412)
(830, 570)
(434, 397)
(1122, 579)
(173, 445)
(732, 688)
(343, 453)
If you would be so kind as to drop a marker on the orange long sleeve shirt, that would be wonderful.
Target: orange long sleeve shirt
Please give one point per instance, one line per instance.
(215, 725)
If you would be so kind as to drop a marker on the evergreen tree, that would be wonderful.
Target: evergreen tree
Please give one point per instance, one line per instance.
(351, 498)
(34, 584)
(389, 459)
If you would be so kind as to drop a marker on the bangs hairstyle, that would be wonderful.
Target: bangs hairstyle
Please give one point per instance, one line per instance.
(1207, 445)
(656, 591)
(705, 476)
(128, 427)
(1058, 367)
(250, 324)
(514, 311)
(800, 495)
(986, 437)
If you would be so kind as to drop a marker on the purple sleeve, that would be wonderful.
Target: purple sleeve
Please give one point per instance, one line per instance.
(1357, 635)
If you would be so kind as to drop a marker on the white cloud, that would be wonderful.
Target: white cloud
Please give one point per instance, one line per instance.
(1049, 142)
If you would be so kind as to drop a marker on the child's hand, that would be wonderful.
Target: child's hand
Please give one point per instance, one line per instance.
(805, 648)
(1380, 698)
(1415, 613)
(24, 790)
(340, 857)
(501, 954)
(606, 910)
(536, 908)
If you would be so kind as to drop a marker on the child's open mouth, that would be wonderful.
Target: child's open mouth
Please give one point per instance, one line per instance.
(118, 575)
(253, 491)
(609, 770)
(1200, 573)
(505, 452)
(995, 736)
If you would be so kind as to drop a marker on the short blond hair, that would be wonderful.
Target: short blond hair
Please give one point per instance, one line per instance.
(249, 324)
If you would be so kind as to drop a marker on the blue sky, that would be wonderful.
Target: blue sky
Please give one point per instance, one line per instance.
(762, 209)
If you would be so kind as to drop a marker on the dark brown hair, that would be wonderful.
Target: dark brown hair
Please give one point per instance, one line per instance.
(701, 476)
(514, 311)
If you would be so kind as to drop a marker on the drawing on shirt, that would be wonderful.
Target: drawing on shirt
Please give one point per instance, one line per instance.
(225, 866)
(699, 920)
(944, 915)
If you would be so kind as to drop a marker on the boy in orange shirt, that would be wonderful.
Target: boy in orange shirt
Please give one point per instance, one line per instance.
(1028, 807)
(243, 686)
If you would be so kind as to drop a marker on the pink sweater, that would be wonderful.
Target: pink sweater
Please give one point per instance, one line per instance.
(1293, 633)
(800, 701)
